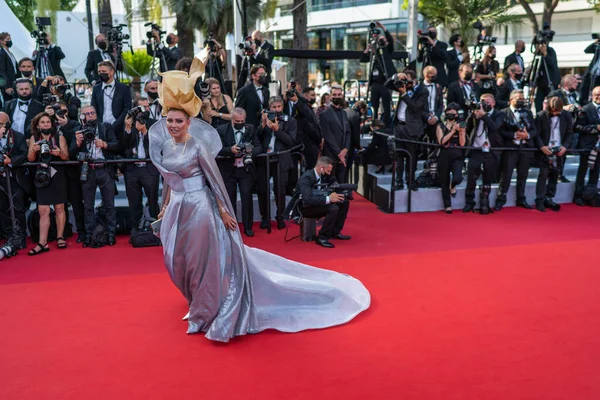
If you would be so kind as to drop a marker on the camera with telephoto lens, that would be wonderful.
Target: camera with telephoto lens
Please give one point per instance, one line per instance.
(544, 36)
(374, 30)
(522, 105)
(62, 89)
(400, 83)
(553, 159)
(211, 43)
(344, 189)
(245, 153)
(154, 27)
(40, 34)
(424, 37)
(85, 159)
(246, 46)
(139, 114)
(115, 36)
(481, 39)
(49, 99)
(461, 118)
(42, 175)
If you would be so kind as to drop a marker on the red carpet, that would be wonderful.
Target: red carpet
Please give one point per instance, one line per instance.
(464, 307)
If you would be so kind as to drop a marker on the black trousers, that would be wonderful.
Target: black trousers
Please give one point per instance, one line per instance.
(311, 155)
(99, 178)
(339, 170)
(335, 217)
(582, 170)
(75, 197)
(547, 180)
(292, 178)
(380, 92)
(18, 199)
(512, 160)
(136, 179)
(279, 189)
(478, 160)
(450, 162)
(403, 161)
(244, 180)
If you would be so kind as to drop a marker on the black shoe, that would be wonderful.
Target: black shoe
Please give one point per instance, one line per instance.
(249, 232)
(448, 210)
(539, 205)
(339, 236)
(524, 204)
(563, 179)
(398, 186)
(80, 238)
(579, 201)
(414, 187)
(380, 170)
(280, 224)
(548, 203)
(112, 241)
(468, 207)
(264, 224)
(500, 202)
(324, 243)
(87, 242)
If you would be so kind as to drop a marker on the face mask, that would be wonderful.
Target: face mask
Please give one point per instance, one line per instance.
(91, 122)
(262, 79)
(520, 104)
(27, 74)
(433, 78)
(9, 44)
(338, 101)
(518, 76)
(571, 90)
(468, 76)
(45, 131)
(25, 98)
(450, 117)
(257, 42)
(102, 45)
(312, 101)
(169, 40)
(153, 95)
(239, 127)
(433, 35)
(487, 107)
(104, 77)
(459, 43)
(493, 56)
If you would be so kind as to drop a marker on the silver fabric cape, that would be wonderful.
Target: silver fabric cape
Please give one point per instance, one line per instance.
(233, 289)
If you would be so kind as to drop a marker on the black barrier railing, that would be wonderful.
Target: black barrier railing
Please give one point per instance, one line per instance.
(392, 195)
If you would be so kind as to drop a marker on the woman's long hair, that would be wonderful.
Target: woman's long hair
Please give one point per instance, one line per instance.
(35, 133)
(221, 100)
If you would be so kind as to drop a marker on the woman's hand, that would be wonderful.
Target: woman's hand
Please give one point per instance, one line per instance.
(55, 152)
(35, 147)
(162, 212)
(229, 221)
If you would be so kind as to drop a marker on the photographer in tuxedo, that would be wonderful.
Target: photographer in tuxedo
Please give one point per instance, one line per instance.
(241, 144)
(435, 102)
(438, 54)
(55, 55)
(142, 174)
(408, 121)
(277, 133)
(456, 56)
(336, 132)
(8, 64)
(518, 131)
(254, 97)
(465, 91)
(512, 82)
(23, 108)
(483, 133)
(111, 99)
(588, 127)
(309, 131)
(94, 173)
(95, 57)
(15, 151)
(262, 53)
(515, 57)
(169, 54)
(333, 207)
(555, 132)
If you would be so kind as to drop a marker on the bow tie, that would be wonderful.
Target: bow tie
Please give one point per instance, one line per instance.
(258, 89)
(430, 85)
(23, 103)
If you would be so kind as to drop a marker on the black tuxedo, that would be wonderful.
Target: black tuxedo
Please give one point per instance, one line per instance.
(264, 56)
(247, 98)
(518, 159)
(439, 57)
(168, 57)
(377, 151)
(589, 81)
(457, 94)
(94, 57)
(285, 139)
(20, 184)
(587, 127)
(503, 93)
(138, 176)
(543, 88)
(121, 103)
(35, 107)
(548, 178)
(435, 96)
(8, 68)
(239, 176)
(513, 58)
(309, 132)
(55, 55)
(336, 132)
(315, 205)
(452, 63)
(74, 190)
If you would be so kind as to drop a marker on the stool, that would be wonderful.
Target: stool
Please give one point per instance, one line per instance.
(308, 229)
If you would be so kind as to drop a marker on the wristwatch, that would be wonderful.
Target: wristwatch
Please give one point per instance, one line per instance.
(220, 115)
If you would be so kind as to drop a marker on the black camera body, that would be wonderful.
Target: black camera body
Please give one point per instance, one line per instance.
(344, 189)
(211, 43)
(49, 99)
(42, 174)
(40, 34)
(400, 83)
(245, 153)
(85, 159)
(544, 36)
(246, 46)
(62, 89)
(115, 36)
(139, 114)
(273, 116)
(156, 27)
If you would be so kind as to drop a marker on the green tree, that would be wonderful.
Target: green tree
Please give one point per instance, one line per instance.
(300, 65)
(459, 15)
(549, 7)
(25, 9)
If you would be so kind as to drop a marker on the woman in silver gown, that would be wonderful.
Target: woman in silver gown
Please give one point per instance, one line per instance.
(233, 289)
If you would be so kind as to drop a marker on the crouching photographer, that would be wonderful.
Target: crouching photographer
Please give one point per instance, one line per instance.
(555, 133)
(317, 203)
(142, 174)
(13, 150)
(47, 145)
(95, 143)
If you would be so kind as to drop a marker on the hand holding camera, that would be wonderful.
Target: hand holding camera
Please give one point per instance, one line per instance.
(336, 197)
(522, 134)
(235, 149)
(101, 144)
(79, 138)
(128, 123)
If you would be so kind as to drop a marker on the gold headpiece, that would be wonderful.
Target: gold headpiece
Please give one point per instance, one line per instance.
(177, 90)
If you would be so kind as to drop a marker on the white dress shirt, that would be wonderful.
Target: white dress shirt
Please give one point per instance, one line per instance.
(259, 92)
(555, 132)
(108, 91)
(238, 135)
(96, 152)
(432, 95)
(327, 199)
(20, 115)
(481, 135)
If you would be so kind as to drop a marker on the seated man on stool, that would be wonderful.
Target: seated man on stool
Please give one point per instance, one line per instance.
(333, 207)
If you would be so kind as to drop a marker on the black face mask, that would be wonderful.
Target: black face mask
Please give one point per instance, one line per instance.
(9, 44)
(433, 35)
(153, 95)
(492, 56)
(450, 117)
(104, 77)
(169, 40)
(239, 127)
(338, 101)
(24, 98)
(91, 122)
(518, 76)
(102, 45)
(262, 80)
(26, 74)
(433, 79)
(45, 131)
(468, 76)
(257, 43)
(312, 101)
(486, 107)
(520, 104)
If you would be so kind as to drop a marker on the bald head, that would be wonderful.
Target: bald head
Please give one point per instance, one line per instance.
(596, 95)
(4, 118)
(519, 46)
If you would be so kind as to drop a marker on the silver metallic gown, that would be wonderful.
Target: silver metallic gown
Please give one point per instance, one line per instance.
(233, 289)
